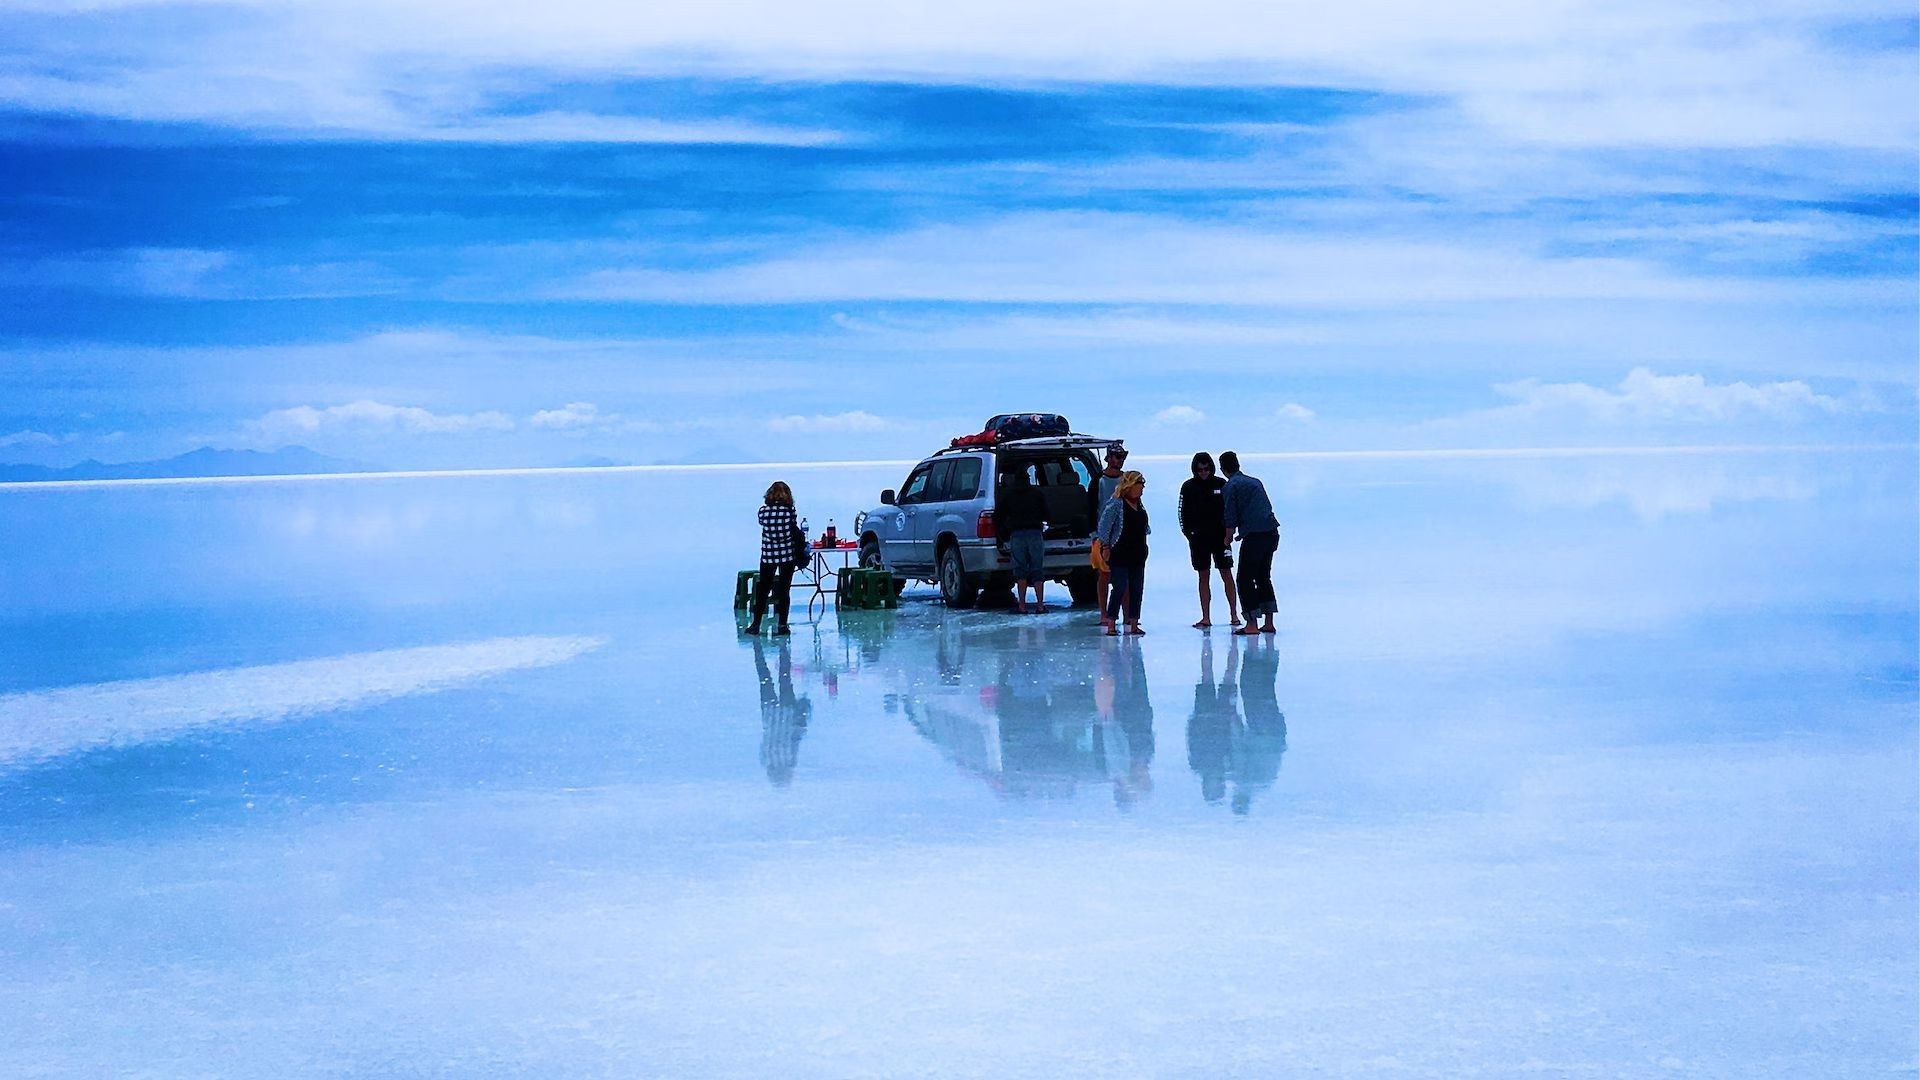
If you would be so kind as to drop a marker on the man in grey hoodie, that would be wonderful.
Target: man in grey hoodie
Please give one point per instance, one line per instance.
(1246, 509)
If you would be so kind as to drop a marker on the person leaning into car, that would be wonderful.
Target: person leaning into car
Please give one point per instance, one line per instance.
(1022, 512)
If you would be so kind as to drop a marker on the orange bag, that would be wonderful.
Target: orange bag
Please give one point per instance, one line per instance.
(1097, 555)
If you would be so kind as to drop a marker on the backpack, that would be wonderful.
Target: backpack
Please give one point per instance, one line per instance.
(802, 553)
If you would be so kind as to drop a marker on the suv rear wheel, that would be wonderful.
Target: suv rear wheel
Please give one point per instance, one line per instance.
(957, 587)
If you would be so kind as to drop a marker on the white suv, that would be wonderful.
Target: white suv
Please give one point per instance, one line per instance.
(939, 527)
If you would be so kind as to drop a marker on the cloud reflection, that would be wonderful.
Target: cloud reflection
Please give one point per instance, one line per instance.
(44, 724)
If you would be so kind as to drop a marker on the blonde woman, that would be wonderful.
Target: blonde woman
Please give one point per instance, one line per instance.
(1123, 536)
(777, 555)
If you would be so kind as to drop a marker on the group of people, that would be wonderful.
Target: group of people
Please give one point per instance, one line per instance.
(1213, 512)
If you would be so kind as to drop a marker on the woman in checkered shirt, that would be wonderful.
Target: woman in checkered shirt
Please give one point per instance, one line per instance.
(777, 521)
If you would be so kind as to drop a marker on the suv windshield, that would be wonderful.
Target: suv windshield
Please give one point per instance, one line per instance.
(915, 489)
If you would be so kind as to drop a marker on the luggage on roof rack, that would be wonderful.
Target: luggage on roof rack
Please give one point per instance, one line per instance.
(1009, 426)
(1028, 425)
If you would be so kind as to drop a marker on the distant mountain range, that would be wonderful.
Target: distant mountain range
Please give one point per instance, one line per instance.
(594, 462)
(206, 461)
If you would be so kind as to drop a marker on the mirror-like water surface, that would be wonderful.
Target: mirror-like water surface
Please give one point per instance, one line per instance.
(1569, 766)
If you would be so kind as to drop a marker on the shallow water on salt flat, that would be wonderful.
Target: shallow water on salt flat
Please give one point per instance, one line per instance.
(1597, 765)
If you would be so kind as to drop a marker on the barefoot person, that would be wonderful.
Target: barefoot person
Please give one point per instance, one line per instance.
(1022, 512)
(1246, 509)
(1123, 533)
(1107, 481)
(1201, 520)
(777, 526)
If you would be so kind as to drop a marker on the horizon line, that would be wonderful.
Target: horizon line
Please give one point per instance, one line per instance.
(1264, 455)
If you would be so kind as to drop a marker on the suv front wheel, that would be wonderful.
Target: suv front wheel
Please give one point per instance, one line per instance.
(957, 587)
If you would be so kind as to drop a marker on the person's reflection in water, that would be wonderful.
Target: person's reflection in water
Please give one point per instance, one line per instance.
(1210, 730)
(1259, 744)
(783, 715)
(1126, 727)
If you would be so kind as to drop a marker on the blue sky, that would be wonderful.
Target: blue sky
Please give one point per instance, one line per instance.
(422, 235)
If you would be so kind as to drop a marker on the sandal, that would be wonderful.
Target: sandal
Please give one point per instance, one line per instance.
(1269, 630)
(1202, 625)
(1136, 631)
(1113, 631)
(1244, 632)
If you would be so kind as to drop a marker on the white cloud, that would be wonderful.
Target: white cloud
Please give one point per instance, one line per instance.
(1619, 72)
(1179, 415)
(855, 421)
(1061, 258)
(571, 416)
(1295, 412)
(29, 438)
(1656, 488)
(282, 425)
(1644, 397)
(570, 127)
(200, 274)
(171, 271)
(39, 725)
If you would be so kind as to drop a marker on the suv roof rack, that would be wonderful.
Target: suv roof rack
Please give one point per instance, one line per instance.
(1072, 441)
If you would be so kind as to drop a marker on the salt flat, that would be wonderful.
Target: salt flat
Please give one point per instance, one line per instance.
(1595, 766)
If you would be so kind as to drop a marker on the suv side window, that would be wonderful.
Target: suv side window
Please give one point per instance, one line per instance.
(915, 489)
(957, 479)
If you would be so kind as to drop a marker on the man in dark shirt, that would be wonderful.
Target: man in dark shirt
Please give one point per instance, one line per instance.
(1021, 514)
(1203, 521)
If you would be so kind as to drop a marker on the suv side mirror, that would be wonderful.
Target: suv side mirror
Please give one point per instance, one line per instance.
(886, 497)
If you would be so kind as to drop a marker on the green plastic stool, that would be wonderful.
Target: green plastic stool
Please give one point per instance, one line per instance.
(744, 586)
(876, 588)
(852, 592)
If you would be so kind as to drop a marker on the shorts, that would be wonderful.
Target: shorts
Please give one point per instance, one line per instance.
(1203, 551)
(1028, 547)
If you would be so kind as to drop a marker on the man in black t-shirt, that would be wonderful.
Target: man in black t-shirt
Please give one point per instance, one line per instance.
(1200, 519)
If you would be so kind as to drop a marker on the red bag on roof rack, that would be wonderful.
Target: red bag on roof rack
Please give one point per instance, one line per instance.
(984, 438)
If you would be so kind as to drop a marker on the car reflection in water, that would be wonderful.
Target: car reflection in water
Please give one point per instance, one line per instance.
(783, 714)
(1039, 710)
(1034, 711)
(1224, 749)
